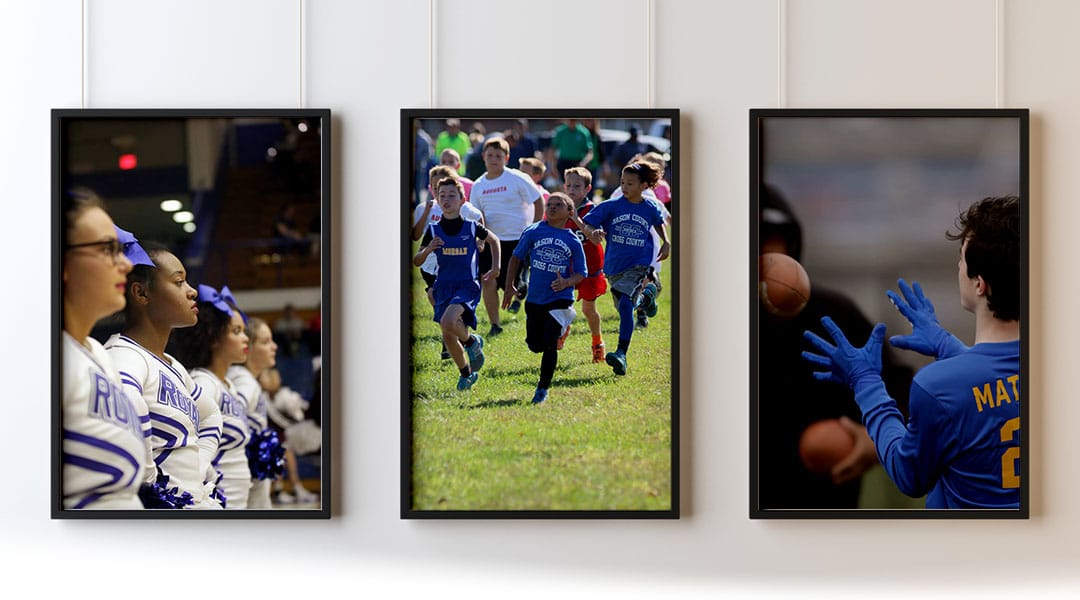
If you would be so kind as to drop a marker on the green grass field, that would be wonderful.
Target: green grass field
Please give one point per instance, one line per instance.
(600, 441)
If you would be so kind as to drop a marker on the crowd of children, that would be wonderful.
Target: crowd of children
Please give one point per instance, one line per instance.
(509, 232)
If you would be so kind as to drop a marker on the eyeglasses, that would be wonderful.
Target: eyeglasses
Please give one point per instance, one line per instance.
(114, 249)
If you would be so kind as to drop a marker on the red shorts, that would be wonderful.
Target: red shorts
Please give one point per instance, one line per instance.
(592, 288)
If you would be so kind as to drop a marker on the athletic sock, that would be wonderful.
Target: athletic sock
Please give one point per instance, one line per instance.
(469, 342)
(465, 371)
(626, 317)
(548, 363)
(597, 340)
(624, 344)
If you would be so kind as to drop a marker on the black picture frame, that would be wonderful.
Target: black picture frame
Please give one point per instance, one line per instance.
(193, 154)
(917, 169)
(668, 129)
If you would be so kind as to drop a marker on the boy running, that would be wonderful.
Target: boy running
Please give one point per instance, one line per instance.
(456, 290)
(557, 264)
(578, 184)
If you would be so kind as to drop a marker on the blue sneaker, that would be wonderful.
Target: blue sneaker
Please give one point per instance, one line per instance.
(540, 395)
(515, 306)
(464, 383)
(617, 360)
(476, 353)
(648, 299)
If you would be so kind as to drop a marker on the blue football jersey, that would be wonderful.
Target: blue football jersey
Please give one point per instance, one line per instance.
(961, 444)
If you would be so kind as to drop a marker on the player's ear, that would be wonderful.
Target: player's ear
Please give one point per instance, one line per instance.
(981, 287)
(139, 292)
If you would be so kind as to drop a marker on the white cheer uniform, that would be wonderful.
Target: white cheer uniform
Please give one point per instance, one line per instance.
(256, 400)
(170, 396)
(231, 458)
(105, 450)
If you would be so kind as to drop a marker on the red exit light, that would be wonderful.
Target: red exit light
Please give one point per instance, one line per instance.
(128, 162)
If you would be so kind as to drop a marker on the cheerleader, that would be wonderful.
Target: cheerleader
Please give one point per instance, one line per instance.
(182, 425)
(217, 341)
(104, 450)
(262, 355)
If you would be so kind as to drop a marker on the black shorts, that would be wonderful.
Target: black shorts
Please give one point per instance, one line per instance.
(541, 329)
(506, 250)
(429, 279)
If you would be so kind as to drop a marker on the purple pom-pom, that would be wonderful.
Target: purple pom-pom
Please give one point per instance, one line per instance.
(160, 495)
(266, 455)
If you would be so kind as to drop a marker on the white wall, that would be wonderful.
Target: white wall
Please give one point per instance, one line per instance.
(714, 60)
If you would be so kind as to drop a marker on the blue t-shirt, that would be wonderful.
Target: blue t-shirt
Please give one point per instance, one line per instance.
(627, 226)
(550, 251)
(961, 444)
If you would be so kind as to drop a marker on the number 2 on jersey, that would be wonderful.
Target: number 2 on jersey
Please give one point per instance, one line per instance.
(1010, 479)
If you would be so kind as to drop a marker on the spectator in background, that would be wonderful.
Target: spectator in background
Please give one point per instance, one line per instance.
(289, 329)
(571, 146)
(474, 161)
(423, 155)
(522, 143)
(535, 169)
(596, 163)
(287, 236)
(452, 159)
(453, 137)
(624, 152)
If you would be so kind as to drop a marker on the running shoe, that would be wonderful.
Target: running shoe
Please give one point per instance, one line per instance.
(617, 360)
(464, 383)
(476, 353)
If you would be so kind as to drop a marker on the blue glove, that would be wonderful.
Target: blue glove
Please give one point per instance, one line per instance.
(844, 363)
(927, 335)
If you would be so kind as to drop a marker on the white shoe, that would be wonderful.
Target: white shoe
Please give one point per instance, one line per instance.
(285, 498)
(305, 497)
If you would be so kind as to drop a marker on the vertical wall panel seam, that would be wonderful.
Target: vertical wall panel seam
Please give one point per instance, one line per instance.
(781, 53)
(431, 53)
(303, 55)
(999, 51)
(82, 54)
(650, 49)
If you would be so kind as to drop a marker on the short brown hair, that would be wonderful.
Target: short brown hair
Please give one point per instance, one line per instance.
(535, 165)
(563, 198)
(454, 181)
(582, 172)
(442, 171)
(497, 141)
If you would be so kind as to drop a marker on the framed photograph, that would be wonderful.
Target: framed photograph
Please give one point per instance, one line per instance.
(889, 313)
(540, 286)
(191, 259)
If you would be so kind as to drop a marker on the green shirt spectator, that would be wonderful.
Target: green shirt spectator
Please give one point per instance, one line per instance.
(455, 139)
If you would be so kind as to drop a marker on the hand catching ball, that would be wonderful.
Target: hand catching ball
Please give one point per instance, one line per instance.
(783, 285)
(823, 444)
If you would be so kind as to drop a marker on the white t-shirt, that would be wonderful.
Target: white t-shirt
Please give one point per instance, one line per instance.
(507, 202)
(468, 212)
(105, 449)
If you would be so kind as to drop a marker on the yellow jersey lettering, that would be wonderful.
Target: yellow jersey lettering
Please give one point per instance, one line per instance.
(993, 395)
(983, 398)
(1016, 390)
(1002, 394)
(455, 251)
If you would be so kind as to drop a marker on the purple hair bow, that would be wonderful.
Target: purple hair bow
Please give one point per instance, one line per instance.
(226, 293)
(221, 300)
(209, 294)
(132, 250)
